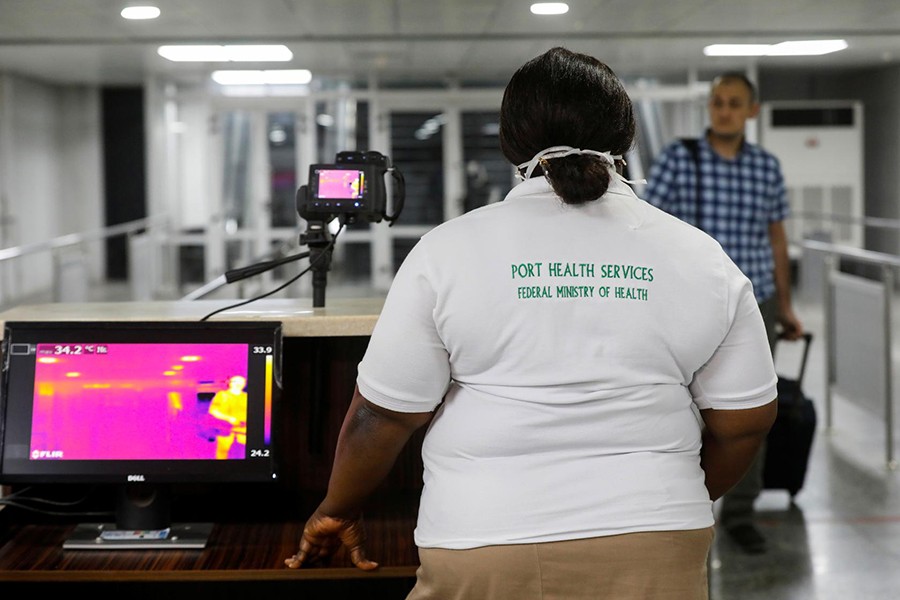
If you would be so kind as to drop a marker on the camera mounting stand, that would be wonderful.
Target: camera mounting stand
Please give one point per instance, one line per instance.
(319, 240)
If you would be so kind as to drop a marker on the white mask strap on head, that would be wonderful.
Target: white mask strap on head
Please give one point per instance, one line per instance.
(559, 152)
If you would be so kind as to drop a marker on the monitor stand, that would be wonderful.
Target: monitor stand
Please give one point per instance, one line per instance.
(142, 523)
(105, 536)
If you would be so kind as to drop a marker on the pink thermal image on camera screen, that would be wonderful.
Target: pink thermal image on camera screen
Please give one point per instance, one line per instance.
(341, 184)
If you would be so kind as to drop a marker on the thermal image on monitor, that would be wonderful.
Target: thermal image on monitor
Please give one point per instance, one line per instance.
(139, 401)
(341, 184)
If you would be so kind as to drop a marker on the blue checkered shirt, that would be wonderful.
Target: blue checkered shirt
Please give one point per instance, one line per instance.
(740, 198)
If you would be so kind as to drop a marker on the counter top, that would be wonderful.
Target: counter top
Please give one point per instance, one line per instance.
(339, 317)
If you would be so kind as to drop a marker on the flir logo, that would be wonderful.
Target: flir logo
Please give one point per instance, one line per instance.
(135, 478)
(44, 454)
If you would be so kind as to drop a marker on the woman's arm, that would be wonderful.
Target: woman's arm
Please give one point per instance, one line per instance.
(731, 440)
(370, 440)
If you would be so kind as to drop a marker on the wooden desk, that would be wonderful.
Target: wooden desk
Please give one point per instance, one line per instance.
(235, 552)
(256, 527)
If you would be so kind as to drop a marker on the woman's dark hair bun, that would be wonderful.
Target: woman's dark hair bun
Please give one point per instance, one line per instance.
(564, 98)
(578, 178)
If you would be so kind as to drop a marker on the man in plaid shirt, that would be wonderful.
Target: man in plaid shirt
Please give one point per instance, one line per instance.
(739, 199)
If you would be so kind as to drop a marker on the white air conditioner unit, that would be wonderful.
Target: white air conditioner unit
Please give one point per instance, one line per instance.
(820, 146)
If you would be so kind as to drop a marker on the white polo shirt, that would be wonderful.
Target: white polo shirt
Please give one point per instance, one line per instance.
(567, 350)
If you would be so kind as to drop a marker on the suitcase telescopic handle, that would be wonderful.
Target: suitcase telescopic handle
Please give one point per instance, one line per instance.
(807, 340)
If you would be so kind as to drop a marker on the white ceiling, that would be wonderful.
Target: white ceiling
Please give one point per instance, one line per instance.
(434, 41)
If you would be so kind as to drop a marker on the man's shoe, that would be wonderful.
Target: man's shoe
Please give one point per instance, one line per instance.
(748, 537)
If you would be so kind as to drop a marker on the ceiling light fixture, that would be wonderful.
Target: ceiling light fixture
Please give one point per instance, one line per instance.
(549, 8)
(238, 53)
(325, 120)
(270, 77)
(736, 49)
(139, 13)
(807, 48)
(789, 48)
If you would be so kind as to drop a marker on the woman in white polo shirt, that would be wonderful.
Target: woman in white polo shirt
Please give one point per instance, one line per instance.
(594, 373)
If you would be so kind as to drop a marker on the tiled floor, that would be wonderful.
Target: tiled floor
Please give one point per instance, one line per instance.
(840, 538)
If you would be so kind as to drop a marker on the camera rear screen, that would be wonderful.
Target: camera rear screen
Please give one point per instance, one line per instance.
(341, 184)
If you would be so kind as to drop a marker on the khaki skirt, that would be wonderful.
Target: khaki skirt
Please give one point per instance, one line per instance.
(664, 565)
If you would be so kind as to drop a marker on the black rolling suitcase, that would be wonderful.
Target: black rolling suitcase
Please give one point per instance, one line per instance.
(790, 439)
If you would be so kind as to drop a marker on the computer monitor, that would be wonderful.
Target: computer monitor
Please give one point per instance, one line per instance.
(142, 405)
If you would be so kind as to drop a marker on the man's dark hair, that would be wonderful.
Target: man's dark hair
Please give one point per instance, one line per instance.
(736, 76)
(563, 98)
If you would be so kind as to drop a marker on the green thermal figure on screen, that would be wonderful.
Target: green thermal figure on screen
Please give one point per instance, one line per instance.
(230, 406)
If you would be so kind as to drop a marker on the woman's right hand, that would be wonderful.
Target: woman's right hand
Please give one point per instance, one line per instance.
(324, 535)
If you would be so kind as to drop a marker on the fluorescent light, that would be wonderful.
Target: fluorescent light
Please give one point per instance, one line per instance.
(273, 77)
(549, 8)
(807, 48)
(791, 48)
(238, 53)
(193, 53)
(278, 136)
(140, 12)
(249, 53)
(736, 49)
(288, 76)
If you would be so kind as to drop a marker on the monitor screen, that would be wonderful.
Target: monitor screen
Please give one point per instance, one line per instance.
(139, 402)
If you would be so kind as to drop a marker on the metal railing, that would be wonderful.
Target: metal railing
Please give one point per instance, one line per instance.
(68, 277)
(874, 222)
(832, 283)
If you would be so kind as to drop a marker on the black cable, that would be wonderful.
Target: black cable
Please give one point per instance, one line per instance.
(312, 263)
(244, 272)
(54, 513)
(17, 499)
(20, 495)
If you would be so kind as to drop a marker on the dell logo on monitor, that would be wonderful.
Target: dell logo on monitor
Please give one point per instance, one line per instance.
(135, 478)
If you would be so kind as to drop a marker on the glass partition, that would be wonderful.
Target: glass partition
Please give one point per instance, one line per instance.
(489, 175)
(417, 141)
